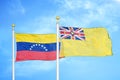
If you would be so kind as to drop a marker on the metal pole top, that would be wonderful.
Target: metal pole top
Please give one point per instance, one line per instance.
(13, 25)
(57, 18)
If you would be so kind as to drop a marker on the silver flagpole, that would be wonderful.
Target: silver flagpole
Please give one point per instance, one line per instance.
(13, 53)
(57, 55)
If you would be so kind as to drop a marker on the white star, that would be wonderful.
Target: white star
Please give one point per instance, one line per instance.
(46, 49)
(41, 45)
(30, 49)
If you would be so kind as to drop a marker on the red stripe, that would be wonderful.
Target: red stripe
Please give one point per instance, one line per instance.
(80, 34)
(64, 32)
(33, 55)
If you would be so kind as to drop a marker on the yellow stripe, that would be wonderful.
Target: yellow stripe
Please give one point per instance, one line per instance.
(36, 38)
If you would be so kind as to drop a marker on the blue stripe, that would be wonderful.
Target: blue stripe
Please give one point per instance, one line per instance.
(43, 47)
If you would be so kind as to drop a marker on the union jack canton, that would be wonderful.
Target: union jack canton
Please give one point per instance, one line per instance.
(72, 33)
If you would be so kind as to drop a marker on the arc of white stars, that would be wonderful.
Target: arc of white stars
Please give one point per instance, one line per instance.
(34, 45)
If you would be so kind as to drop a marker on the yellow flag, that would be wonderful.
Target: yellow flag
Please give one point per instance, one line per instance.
(97, 43)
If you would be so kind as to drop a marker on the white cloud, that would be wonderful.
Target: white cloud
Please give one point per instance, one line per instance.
(88, 5)
(117, 1)
(73, 4)
(78, 13)
(85, 13)
(16, 7)
(114, 28)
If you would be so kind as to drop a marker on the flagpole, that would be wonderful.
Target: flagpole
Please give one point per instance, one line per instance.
(13, 53)
(57, 55)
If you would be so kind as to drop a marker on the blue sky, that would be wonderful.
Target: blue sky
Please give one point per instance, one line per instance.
(38, 16)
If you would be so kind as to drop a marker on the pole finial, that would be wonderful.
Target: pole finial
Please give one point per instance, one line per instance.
(13, 25)
(57, 18)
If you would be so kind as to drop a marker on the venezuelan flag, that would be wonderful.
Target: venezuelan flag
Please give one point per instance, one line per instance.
(35, 47)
